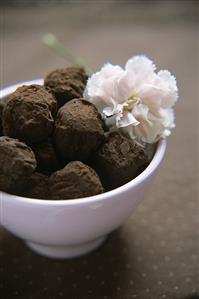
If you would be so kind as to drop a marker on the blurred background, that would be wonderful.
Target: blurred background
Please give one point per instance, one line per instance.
(155, 254)
(99, 31)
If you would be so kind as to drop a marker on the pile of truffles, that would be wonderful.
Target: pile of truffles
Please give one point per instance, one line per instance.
(53, 144)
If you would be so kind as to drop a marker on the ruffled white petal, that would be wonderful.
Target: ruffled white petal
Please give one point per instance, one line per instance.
(126, 119)
(136, 100)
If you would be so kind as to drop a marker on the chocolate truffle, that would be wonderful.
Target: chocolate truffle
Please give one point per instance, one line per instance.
(28, 115)
(119, 160)
(66, 84)
(77, 73)
(17, 163)
(47, 159)
(75, 180)
(78, 130)
(37, 186)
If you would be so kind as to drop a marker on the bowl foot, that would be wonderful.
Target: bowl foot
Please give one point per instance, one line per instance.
(61, 252)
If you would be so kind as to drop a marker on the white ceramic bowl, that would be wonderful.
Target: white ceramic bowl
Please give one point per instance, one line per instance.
(70, 228)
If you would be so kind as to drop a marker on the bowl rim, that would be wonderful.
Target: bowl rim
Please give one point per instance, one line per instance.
(95, 199)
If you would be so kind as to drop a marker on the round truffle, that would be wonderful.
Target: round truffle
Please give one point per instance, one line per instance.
(37, 186)
(28, 115)
(78, 130)
(66, 84)
(77, 73)
(47, 159)
(17, 163)
(119, 160)
(75, 180)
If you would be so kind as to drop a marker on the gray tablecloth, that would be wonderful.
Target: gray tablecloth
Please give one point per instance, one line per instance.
(155, 253)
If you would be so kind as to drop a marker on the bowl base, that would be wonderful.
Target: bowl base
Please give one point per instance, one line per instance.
(62, 252)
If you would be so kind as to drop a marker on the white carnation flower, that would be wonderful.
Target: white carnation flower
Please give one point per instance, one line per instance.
(135, 100)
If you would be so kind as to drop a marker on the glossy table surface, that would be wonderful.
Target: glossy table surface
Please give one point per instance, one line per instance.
(155, 254)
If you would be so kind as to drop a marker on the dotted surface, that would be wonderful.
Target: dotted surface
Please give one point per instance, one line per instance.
(155, 254)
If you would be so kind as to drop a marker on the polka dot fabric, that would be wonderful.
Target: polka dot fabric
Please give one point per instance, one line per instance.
(155, 254)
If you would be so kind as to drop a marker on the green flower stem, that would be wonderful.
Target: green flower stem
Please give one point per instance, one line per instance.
(51, 41)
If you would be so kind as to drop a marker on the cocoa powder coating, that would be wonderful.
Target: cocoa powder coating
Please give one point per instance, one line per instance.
(28, 115)
(119, 160)
(75, 180)
(66, 83)
(37, 186)
(46, 156)
(17, 163)
(78, 130)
